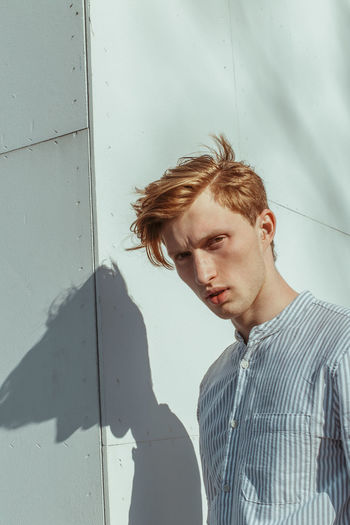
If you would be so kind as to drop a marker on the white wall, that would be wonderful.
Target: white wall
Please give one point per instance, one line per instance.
(273, 77)
(50, 451)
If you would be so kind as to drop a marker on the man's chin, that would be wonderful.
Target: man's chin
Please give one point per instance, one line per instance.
(223, 313)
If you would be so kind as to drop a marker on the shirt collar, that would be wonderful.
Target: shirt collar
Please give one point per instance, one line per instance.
(291, 314)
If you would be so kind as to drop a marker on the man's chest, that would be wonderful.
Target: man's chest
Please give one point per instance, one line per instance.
(264, 408)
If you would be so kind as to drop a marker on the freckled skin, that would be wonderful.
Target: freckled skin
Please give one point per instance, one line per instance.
(214, 247)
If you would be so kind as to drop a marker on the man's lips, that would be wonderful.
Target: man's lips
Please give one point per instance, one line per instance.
(217, 295)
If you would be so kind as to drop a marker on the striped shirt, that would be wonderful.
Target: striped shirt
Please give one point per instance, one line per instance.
(274, 418)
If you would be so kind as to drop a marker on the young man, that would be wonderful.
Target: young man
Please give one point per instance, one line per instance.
(274, 409)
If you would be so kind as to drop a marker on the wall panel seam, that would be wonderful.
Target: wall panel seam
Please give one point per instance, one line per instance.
(94, 248)
(310, 218)
(128, 443)
(33, 144)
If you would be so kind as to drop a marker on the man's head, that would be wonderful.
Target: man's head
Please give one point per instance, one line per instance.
(211, 215)
(232, 184)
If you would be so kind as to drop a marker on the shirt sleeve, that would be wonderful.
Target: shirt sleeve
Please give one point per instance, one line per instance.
(342, 391)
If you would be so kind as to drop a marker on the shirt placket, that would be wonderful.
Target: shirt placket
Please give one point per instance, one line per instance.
(231, 463)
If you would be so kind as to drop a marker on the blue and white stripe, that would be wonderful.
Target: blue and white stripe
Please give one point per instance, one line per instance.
(274, 417)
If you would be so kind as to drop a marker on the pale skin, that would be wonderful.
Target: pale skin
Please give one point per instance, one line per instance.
(228, 262)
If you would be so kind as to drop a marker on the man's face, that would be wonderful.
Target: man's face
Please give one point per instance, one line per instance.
(219, 255)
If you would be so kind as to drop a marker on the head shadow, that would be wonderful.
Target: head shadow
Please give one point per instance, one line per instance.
(58, 379)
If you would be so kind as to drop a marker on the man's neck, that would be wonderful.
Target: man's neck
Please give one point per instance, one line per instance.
(274, 296)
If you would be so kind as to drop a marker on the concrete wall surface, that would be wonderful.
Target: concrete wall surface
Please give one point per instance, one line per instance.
(273, 77)
(50, 446)
(42, 71)
(86, 324)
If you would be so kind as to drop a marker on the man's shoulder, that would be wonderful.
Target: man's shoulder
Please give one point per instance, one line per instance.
(329, 326)
(332, 315)
(219, 367)
(335, 309)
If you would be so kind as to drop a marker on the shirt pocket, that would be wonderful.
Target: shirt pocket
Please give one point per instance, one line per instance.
(278, 459)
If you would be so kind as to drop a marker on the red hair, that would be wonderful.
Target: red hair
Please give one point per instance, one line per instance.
(234, 185)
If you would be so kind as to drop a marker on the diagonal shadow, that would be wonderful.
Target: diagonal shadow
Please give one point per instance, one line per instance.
(57, 380)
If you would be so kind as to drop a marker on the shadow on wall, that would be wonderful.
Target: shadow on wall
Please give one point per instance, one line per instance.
(57, 380)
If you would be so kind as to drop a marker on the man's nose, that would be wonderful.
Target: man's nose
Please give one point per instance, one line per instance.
(204, 268)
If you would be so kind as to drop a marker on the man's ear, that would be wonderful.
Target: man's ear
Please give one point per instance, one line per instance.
(267, 225)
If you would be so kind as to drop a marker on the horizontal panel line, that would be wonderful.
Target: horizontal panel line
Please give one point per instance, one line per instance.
(32, 144)
(310, 218)
(149, 440)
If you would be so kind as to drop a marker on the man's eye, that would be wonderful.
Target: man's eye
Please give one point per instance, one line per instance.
(182, 256)
(216, 240)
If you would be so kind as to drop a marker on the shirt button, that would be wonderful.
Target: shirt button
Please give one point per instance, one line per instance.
(227, 488)
(244, 364)
(234, 423)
